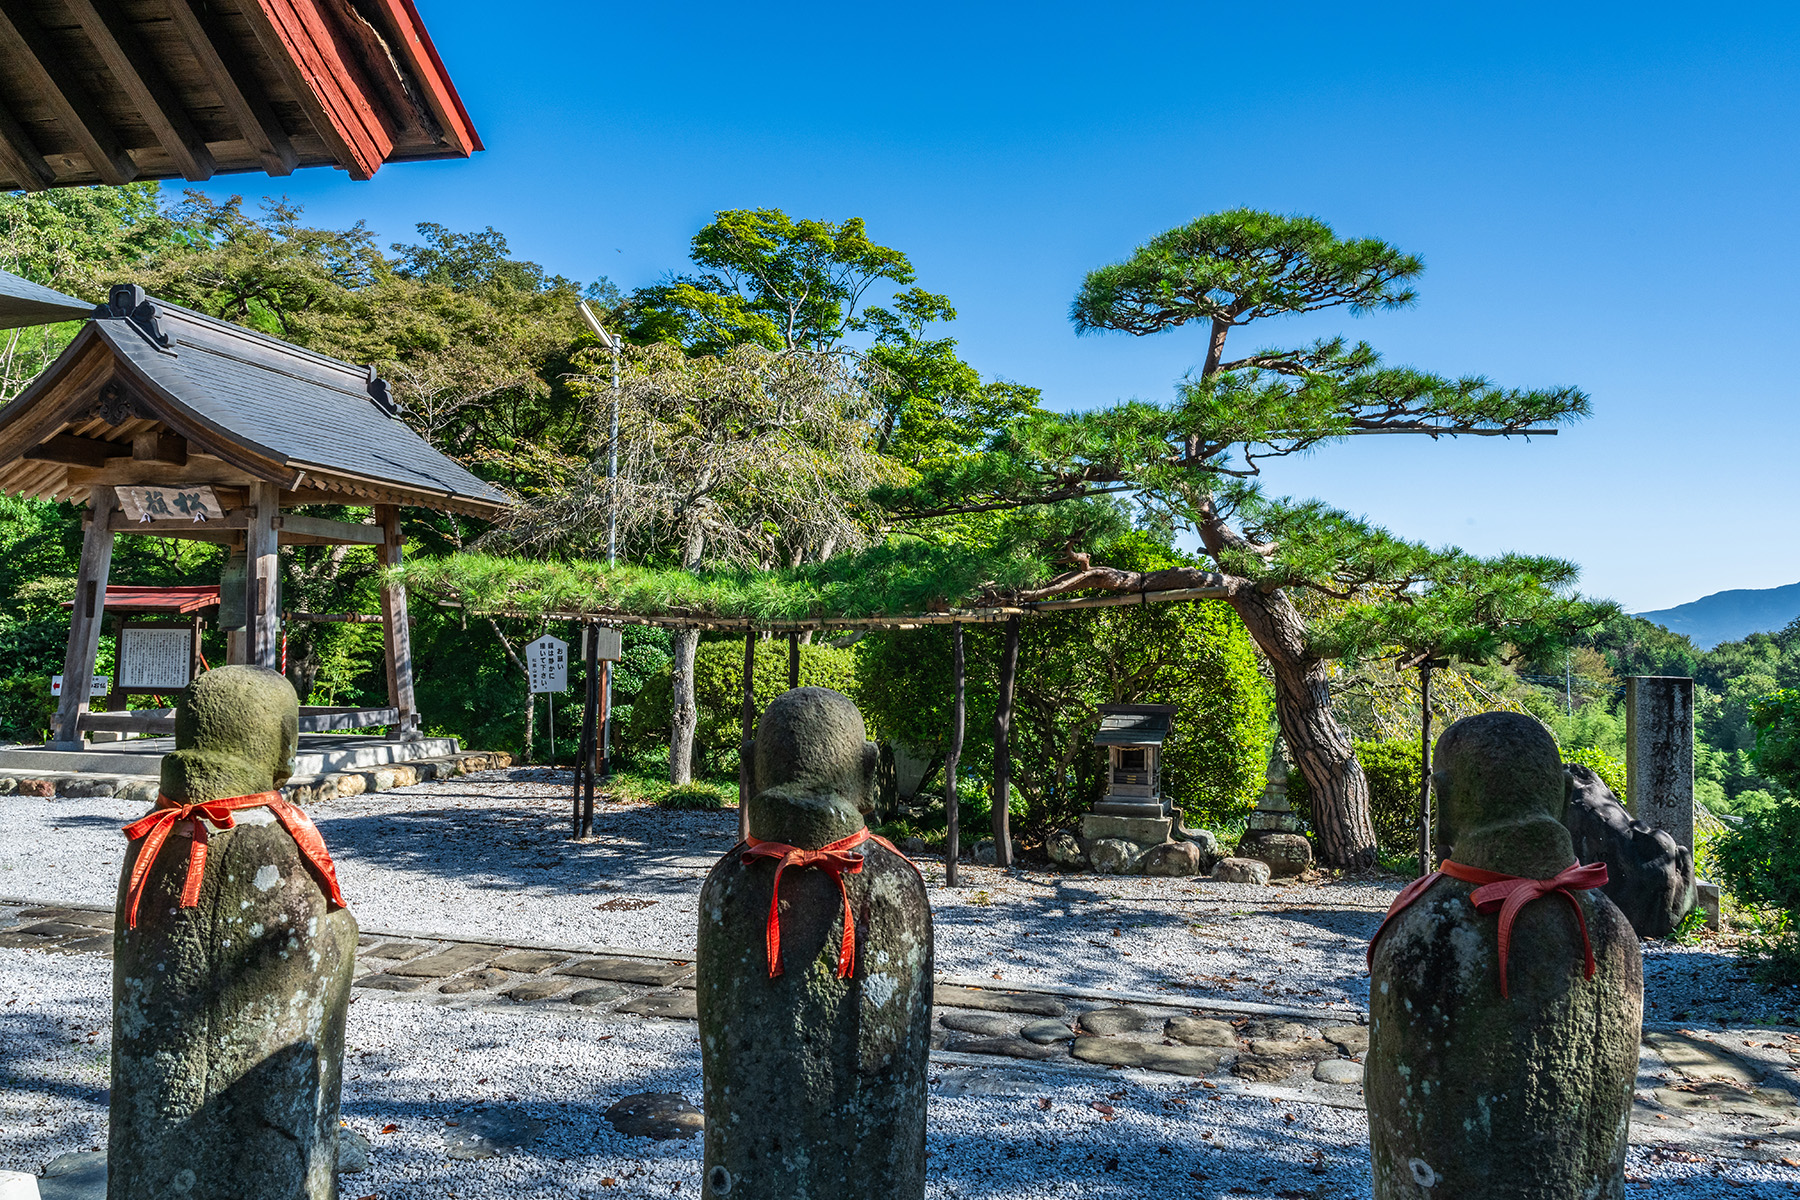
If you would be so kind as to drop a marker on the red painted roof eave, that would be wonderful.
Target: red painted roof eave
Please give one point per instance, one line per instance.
(149, 599)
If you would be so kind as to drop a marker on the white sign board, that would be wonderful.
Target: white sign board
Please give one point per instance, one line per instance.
(99, 685)
(611, 646)
(169, 503)
(161, 659)
(547, 662)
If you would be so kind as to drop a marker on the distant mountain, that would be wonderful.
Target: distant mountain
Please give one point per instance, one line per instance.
(1729, 616)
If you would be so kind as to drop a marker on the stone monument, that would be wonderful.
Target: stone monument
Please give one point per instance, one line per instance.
(1659, 754)
(814, 978)
(1506, 994)
(232, 962)
(1273, 836)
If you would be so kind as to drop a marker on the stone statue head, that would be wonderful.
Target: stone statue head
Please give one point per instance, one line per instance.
(1500, 790)
(814, 774)
(236, 731)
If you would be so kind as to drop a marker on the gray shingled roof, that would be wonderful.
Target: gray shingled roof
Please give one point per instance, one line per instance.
(1134, 724)
(293, 405)
(23, 302)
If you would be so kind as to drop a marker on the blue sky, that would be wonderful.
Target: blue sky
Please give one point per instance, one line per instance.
(1603, 197)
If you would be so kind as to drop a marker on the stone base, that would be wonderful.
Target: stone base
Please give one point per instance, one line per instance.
(1145, 831)
(1150, 809)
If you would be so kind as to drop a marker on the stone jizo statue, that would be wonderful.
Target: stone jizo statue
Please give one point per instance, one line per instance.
(232, 963)
(814, 977)
(1506, 994)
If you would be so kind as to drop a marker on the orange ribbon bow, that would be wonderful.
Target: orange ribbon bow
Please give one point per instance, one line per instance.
(155, 828)
(836, 860)
(1508, 894)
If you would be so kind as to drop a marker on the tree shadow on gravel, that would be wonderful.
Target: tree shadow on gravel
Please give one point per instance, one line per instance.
(29, 1083)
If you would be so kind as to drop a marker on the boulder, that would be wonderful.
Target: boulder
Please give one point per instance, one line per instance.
(1287, 854)
(1063, 848)
(1113, 856)
(1648, 875)
(1172, 858)
(1241, 870)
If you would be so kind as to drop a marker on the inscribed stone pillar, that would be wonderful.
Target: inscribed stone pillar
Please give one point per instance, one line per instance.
(814, 1046)
(1491, 1077)
(1659, 754)
(228, 1014)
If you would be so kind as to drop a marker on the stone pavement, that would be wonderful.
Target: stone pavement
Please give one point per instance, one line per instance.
(1719, 1093)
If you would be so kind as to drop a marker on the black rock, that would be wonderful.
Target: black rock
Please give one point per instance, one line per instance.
(1648, 875)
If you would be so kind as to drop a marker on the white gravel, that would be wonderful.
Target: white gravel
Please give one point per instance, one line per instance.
(416, 1067)
(490, 856)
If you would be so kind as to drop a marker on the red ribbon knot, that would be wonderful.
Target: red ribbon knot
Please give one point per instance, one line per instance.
(156, 827)
(837, 860)
(1508, 894)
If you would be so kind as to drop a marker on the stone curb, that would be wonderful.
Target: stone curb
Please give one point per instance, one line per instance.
(310, 790)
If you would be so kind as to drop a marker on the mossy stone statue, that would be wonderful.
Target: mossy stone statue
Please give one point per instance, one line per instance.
(1484, 1087)
(231, 969)
(814, 1044)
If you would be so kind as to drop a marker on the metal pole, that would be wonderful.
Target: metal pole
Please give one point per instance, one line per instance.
(612, 343)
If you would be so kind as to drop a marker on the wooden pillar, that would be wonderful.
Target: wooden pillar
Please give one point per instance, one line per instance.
(1003, 715)
(393, 622)
(263, 578)
(793, 660)
(84, 622)
(587, 757)
(958, 712)
(747, 737)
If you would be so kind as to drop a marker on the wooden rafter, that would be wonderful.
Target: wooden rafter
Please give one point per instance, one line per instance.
(20, 157)
(143, 80)
(26, 42)
(329, 89)
(239, 91)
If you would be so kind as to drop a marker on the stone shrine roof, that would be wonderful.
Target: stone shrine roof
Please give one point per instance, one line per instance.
(1135, 724)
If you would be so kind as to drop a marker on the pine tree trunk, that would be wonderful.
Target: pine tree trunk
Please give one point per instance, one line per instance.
(1320, 746)
(684, 716)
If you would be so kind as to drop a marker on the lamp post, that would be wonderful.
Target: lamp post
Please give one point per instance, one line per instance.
(611, 342)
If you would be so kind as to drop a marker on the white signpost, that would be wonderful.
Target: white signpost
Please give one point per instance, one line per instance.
(547, 663)
(98, 685)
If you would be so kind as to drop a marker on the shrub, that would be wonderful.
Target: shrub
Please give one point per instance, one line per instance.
(26, 707)
(1392, 768)
(707, 797)
(1759, 860)
(718, 694)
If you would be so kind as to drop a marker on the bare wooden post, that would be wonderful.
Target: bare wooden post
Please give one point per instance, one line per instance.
(84, 619)
(583, 803)
(263, 579)
(1425, 667)
(952, 816)
(747, 737)
(393, 621)
(793, 660)
(1003, 715)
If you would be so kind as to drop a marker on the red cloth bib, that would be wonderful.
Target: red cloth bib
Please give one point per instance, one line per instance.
(156, 827)
(1508, 893)
(837, 860)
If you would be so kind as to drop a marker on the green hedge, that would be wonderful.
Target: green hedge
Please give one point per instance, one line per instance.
(718, 694)
(1392, 769)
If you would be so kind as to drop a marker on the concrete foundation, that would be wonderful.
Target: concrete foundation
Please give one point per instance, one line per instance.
(320, 754)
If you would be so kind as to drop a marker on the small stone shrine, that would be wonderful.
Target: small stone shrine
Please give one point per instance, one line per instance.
(1273, 835)
(233, 956)
(814, 978)
(1506, 993)
(1132, 817)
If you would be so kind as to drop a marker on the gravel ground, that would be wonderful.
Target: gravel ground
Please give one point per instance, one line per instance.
(412, 1069)
(489, 855)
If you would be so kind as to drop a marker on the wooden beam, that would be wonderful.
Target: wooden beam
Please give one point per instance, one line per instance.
(747, 738)
(324, 720)
(119, 722)
(234, 518)
(264, 580)
(143, 80)
(20, 157)
(429, 77)
(239, 91)
(49, 72)
(399, 637)
(321, 530)
(328, 89)
(159, 446)
(78, 451)
(84, 620)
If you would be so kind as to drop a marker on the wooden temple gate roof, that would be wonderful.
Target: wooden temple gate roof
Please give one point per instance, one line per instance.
(153, 389)
(109, 91)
